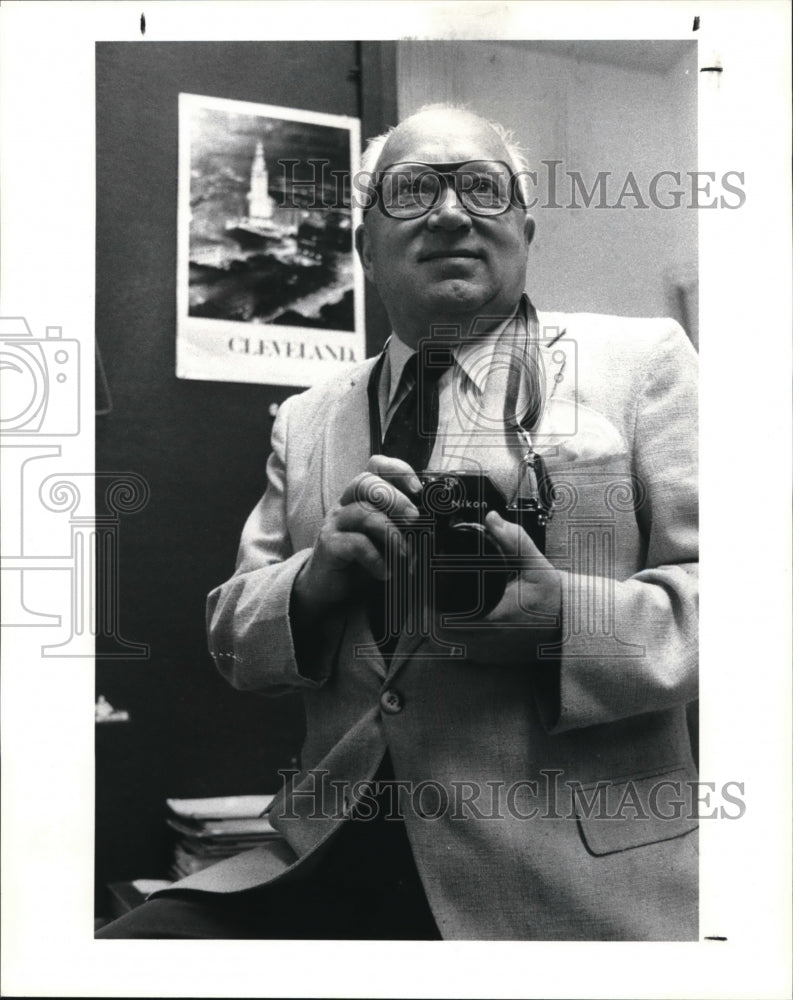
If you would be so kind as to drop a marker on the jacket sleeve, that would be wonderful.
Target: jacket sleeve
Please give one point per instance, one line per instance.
(630, 646)
(248, 624)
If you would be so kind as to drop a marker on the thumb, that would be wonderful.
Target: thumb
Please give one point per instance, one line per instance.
(510, 537)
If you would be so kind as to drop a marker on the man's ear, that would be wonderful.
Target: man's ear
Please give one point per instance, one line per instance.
(528, 228)
(364, 251)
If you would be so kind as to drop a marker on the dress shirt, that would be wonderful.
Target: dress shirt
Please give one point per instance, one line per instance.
(472, 435)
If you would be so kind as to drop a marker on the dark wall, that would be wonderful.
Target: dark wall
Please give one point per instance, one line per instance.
(201, 446)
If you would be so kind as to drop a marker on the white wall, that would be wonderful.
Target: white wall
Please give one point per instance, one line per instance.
(603, 106)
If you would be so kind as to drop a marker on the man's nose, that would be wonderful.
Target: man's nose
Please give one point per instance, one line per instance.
(449, 213)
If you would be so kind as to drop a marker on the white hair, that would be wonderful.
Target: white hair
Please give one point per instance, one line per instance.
(517, 155)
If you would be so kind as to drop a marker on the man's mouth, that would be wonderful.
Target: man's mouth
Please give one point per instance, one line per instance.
(449, 253)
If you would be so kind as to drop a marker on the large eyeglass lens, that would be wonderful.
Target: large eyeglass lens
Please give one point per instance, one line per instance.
(484, 188)
(410, 190)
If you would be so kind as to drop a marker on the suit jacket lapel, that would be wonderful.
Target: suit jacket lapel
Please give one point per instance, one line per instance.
(346, 450)
(347, 447)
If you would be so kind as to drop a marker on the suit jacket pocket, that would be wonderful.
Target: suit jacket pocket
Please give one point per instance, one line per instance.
(632, 812)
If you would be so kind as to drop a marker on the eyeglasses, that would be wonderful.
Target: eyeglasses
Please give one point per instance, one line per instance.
(483, 187)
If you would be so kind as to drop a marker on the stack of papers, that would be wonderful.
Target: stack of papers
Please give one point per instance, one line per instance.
(215, 828)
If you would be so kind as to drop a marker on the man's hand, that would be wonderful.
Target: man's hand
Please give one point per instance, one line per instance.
(528, 615)
(359, 537)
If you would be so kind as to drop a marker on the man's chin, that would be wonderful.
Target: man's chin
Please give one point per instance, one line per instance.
(455, 296)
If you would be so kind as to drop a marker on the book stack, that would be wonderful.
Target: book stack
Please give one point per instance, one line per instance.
(215, 828)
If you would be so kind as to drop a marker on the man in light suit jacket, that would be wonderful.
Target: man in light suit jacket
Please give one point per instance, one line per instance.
(536, 758)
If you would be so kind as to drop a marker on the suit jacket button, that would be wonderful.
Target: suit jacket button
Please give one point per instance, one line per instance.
(391, 702)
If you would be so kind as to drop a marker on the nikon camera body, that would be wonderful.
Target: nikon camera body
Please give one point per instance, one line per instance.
(465, 571)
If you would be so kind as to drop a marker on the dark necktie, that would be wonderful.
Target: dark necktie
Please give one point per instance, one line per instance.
(411, 433)
(410, 436)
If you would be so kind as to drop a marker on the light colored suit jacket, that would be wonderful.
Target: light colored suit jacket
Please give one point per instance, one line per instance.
(567, 816)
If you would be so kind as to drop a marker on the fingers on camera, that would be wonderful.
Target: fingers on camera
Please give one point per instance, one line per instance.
(373, 492)
(396, 471)
(354, 547)
(375, 525)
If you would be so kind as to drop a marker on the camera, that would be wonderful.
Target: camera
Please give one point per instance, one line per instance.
(40, 381)
(465, 573)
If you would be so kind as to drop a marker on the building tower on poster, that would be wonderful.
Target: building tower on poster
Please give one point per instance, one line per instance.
(260, 204)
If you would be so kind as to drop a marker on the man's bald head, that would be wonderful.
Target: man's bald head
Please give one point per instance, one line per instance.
(440, 119)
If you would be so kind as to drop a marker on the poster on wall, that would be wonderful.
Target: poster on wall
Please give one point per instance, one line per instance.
(268, 286)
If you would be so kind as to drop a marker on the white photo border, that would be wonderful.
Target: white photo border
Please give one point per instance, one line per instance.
(745, 266)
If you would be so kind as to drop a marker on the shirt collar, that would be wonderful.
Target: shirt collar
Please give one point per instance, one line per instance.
(474, 357)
